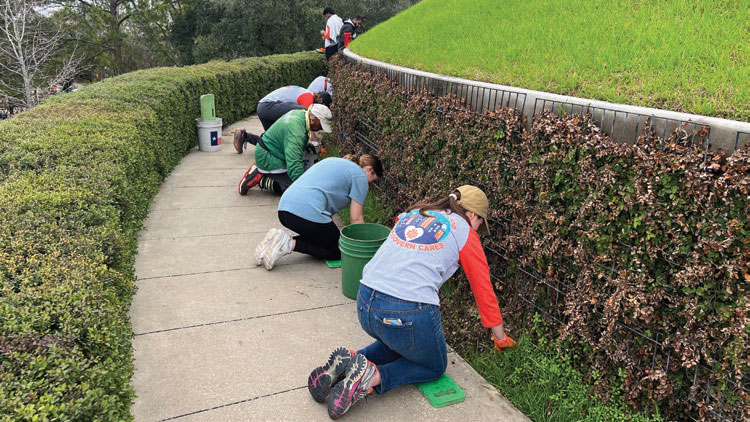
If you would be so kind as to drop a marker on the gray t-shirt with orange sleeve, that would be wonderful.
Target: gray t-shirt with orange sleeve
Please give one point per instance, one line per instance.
(422, 252)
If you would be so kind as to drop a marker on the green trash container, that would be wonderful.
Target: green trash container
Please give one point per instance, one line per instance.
(208, 107)
(358, 243)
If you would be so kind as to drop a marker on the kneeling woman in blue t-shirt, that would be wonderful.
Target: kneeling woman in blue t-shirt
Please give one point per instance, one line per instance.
(307, 206)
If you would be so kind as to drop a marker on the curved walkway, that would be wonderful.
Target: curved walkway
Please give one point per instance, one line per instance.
(219, 339)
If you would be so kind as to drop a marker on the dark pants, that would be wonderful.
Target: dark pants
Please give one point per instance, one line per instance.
(331, 50)
(320, 240)
(270, 111)
(277, 182)
(250, 137)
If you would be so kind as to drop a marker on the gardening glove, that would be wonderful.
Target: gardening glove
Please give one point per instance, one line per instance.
(310, 149)
(506, 343)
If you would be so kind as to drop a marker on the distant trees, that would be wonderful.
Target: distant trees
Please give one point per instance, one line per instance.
(227, 29)
(50, 42)
(119, 36)
(31, 55)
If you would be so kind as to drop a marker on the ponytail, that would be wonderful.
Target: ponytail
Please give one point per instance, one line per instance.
(367, 160)
(450, 202)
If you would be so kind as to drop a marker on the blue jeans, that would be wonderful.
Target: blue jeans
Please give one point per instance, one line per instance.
(413, 351)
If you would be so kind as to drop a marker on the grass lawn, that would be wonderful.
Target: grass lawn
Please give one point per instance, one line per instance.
(546, 388)
(682, 55)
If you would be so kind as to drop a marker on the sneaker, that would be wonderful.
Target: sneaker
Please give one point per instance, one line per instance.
(263, 245)
(279, 247)
(354, 386)
(322, 378)
(239, 144)
(251, 178)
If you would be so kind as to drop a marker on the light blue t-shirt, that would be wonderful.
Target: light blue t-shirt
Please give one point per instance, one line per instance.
(324, 189)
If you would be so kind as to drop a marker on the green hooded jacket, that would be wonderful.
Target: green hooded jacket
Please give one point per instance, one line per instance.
(286, 140)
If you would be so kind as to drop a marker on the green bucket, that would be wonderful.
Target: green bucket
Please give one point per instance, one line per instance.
(358, 243)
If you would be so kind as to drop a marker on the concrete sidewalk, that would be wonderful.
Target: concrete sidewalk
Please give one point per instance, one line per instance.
(219, 339)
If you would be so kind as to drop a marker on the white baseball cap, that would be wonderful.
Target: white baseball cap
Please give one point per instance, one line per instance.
(323, 114)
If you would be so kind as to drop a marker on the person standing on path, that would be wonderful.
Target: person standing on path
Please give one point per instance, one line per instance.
(350, 27)
(398, 303)
(330, 34)
(276, 104)
(278, 155)
(308, 206)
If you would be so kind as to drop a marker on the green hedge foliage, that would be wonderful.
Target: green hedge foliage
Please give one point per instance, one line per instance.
(77, 176)
(598, 235)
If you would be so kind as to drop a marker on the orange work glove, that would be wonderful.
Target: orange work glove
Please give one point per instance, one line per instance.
(504, 344)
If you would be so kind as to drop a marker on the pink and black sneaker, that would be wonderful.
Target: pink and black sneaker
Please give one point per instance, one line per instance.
(354, 386)
(322, 378)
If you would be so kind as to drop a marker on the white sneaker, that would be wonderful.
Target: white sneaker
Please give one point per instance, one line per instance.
(263, 245)
(279, 247)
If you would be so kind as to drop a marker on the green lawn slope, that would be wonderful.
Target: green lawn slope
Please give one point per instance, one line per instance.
(683, 55)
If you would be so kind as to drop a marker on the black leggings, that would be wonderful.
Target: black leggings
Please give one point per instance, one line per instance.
(276, 182)
(320, 240)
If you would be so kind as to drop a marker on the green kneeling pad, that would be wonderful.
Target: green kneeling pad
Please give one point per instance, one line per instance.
(442, 392)
(334, 264)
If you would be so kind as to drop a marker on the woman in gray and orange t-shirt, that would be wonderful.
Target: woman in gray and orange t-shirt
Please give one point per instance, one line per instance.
(398, 302)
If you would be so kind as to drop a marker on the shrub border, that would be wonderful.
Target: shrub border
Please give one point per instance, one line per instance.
(78, 175)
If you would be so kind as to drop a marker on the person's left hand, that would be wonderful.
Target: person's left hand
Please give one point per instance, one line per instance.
(503, 344)
(501, 340)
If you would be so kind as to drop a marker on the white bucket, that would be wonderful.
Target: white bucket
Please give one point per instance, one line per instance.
(209, 134)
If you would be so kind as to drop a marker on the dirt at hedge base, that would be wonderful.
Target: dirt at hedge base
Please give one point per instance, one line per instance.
(461, 321)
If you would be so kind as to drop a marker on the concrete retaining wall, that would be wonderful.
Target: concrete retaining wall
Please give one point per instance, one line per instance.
(621, 121)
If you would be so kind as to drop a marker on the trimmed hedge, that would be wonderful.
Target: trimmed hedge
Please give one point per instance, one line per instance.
(595, 234)
(78, 174)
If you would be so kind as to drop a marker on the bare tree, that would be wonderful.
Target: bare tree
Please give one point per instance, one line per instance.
(30, 52)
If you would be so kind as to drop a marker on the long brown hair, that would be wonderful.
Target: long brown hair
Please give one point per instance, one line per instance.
(450, 202)
(367, 160)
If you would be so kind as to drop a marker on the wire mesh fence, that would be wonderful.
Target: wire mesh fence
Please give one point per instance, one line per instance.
(714, 390)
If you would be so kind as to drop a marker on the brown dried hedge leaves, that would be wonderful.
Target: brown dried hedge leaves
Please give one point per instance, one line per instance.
(642, 252)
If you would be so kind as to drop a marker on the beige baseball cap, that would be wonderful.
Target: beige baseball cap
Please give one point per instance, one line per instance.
(323, 114)
(474, 200)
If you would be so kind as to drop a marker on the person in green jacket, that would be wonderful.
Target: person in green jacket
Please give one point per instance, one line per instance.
(278, 155)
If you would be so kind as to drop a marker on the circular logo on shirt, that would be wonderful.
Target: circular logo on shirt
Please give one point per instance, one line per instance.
(424, 230)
